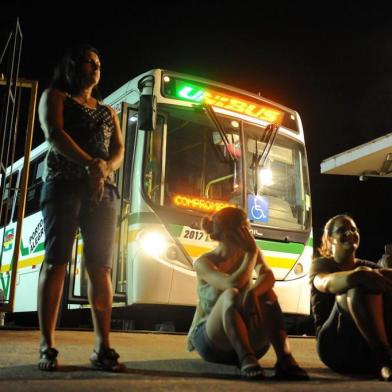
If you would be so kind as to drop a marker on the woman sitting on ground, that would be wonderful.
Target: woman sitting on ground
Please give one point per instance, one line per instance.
(349, 299)
(236, 318)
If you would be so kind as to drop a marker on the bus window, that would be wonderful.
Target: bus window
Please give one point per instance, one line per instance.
(8, 199)
(198, 164)
(281, 180)
(128, 156)
(34, 185)
(153, 162)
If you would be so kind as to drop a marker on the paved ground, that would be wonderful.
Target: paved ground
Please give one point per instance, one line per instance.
(155, 362)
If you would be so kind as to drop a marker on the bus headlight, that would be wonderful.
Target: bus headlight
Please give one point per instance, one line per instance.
(159, 245)
(153, 243)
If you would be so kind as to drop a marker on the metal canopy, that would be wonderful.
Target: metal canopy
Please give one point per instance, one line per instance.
(372, 159)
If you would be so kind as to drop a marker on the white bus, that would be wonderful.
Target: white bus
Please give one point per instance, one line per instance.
(193, 146)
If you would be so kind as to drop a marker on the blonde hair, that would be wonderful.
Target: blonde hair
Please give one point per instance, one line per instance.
(227, 218)
(325, 248)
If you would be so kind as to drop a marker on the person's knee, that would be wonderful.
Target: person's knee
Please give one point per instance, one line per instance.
(98, 273)
(50, 268)
(229, 297)
(101, 303)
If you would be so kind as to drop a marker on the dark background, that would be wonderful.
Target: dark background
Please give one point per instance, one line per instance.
(330, 62)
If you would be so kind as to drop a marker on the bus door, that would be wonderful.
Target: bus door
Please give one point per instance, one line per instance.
(77, 288)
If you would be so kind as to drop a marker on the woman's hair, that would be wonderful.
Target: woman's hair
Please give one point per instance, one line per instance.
(227, 218)
(68, 74)
(325, 249)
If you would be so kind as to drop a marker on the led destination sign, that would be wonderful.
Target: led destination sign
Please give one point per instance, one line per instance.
(198, 203)
(188, 91)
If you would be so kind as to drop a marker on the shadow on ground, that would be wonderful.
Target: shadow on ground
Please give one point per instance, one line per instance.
(175, 368)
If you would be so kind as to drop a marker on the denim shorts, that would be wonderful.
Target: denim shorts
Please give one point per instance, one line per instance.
(341, 346)
(65, 208)
(209, 353)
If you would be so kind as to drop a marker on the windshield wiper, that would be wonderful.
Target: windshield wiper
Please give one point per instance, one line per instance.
(268, 138)
(220, 129)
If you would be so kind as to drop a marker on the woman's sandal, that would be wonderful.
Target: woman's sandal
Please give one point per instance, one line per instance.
(290, 372)
(48, 359)
(106, 359)
(383, 356)
(251, 370)
(386, 373)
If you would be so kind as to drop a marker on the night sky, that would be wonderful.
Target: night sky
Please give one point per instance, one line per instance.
(332, 64)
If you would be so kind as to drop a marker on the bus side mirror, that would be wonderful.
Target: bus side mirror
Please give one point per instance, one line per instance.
(147, 112)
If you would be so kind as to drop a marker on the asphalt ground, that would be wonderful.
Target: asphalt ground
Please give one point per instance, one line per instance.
(154, 362)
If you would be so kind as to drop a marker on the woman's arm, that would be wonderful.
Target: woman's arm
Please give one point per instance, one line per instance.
(117, 144)
(50, 111)
(265, 277)
(340, 282)
(208, 271)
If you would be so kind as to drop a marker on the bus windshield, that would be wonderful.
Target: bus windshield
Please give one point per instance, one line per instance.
(277, 183)
(192, 165)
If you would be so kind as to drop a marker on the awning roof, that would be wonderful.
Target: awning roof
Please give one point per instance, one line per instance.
(370, 159)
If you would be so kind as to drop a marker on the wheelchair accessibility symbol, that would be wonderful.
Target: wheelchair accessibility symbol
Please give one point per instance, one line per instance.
(258, 208)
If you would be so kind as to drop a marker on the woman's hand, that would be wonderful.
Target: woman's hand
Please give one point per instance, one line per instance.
(243, 239)
(99, 168)
(96, 188)
(248, 243)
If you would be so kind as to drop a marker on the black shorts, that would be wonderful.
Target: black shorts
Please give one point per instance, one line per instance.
(65, 208)
(209, 353)
(341, 346)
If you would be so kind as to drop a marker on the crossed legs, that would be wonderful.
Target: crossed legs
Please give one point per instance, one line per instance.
(367, 312)
(227, 328)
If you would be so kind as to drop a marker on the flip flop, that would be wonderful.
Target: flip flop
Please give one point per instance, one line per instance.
(106, 359)
(252, 372)
(48, 359)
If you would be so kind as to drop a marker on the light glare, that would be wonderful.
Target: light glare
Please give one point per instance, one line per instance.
(153, 243)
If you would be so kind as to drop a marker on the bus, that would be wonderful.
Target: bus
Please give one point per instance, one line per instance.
(193, 146)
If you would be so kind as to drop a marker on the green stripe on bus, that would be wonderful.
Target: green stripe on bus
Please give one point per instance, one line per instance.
(143, 217)
(24, 251)
(287, 247)
(5, 284)
(290, 247)
(310, 242)
(174, 230)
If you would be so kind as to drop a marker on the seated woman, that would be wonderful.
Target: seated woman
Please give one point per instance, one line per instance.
(349, 295)
(236, 318)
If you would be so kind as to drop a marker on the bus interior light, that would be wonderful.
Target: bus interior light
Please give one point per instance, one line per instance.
(235, 124)
(265, 176)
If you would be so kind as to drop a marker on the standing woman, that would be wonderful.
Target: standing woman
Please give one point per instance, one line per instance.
(236, 317)
(85, 149)
(350, 306)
